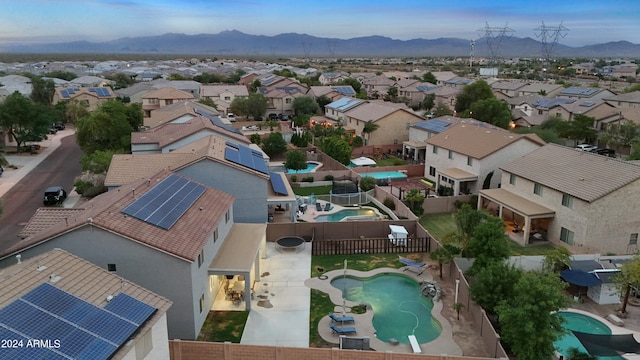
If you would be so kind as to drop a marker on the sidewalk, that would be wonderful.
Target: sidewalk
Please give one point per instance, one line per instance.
(26, 162)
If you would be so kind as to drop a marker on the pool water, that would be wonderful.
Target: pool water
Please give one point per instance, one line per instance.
(311, 166)
(583, 323)
(339, 215)
(398, 306)
(385, 175)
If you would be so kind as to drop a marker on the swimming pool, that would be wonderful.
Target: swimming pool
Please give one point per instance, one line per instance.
(398, 306)
(383, 177)
(583, 323)
(312, 166)
(342, 214)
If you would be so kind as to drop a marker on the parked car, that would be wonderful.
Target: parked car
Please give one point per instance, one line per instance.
(54, 195)
(231, 117)
(273, 116)
(586, 147)
(59, 126)
(53, 130)
(604, 151)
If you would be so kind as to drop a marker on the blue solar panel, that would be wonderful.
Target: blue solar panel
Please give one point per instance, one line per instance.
(130, 308)
(166, 202)
(278, 184)
(345, 90)
(215, 120)
(64, 93)
(107, 326)
(246, 157)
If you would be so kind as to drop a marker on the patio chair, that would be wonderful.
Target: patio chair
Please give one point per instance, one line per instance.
(327, 206)
(413, 266)
(318, 207)
(342, 330)
(341, 319)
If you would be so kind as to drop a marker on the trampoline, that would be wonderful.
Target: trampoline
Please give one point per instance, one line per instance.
(290, 242)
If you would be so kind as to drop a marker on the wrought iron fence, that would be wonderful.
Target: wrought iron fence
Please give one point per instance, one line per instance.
(369, 246)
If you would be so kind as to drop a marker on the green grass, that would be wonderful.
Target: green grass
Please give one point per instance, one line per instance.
(221, 326)
(438, 225)
(517, 249)
(391, 161)
(316, 190)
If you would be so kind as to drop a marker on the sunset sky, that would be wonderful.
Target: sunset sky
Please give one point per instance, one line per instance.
(588, 21)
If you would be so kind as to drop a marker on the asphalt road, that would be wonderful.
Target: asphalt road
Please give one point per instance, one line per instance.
(24, 198)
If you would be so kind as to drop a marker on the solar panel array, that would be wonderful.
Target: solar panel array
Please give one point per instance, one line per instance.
(66, 93)
(82, 330)
(246, 157)
(426, 87)
(166, 202)
(278, 184)
(344, 90)
(549, 103)
(100, 91)
(579, 91)
(344, 104)
(435, 125)
(215, 120)
(587, 103)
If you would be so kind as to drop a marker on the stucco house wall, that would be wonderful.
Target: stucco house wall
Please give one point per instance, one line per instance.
(393, 128)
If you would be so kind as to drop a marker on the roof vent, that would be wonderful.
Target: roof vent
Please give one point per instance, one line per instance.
(54, 278)
(41, 267)
(19, 257)
(109, 298)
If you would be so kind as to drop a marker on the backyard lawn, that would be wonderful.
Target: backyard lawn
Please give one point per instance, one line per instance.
(221, 326)
(316, 190)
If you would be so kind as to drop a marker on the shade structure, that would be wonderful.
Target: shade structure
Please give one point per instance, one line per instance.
(363, 161)
(580, 278)
(608, 345)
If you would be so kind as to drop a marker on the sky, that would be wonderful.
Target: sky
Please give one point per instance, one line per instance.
(586, 22)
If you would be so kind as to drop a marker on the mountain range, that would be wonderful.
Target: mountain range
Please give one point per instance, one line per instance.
(236, 43)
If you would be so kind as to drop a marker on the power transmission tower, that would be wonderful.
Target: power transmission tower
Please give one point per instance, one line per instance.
(331, 44)
(495, 36)
(549, 36)
(473, 45)
(306, 47)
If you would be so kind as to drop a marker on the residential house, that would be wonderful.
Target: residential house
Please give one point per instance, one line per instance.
(415, 91)
(90, 81)
(443, 76)
(445, 95)
(223, 94)
(135, 92)
(585, 93)
(83, 310)
(467, 156)
(91, 97)
(327, 78)
(540, 88)
(337, 109)
(458, 82)
(189, 86)
(280, 93)
(174, 135)
(583, 68)
(577, 199)
(625, 100)
(333, 92)
(19, 83)
(166, 233)
(415, 148)
(183, 111)
(207, 161)
(393, 120)
(377, 86)
(162, 97)
(507, 89)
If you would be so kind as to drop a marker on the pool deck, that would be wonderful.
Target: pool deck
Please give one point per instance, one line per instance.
(311, 213)
(443, 344)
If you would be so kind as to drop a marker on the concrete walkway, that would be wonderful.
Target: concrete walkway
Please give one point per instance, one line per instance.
(279, 313)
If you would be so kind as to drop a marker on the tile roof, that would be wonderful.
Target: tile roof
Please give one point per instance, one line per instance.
(373, 111)
(508, 85)
(79, 278)
(626, 97)
(185, 239)
(216, 90)
(477, 139)
(181, 110)
(168, 93)
(169, 133)
(125, 168)
(581, 174)
(44, 218)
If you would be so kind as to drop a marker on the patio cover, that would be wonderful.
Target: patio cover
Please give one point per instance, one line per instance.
(458, 174)
(517, 203)
(415, 144)
(608, 345)
(580, 278)
(238, 252)
(363, 161)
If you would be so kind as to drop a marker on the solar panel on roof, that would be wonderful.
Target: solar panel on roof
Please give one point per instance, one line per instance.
(426, 87)
(278, 184)
(64, 93)
(217, 122)
(246, 157)
(165, 203)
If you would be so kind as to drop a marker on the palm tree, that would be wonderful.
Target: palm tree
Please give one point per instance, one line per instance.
(457, 307)
(368, 128)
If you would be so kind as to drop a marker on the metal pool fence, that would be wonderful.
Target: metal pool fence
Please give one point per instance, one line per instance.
(368, 246)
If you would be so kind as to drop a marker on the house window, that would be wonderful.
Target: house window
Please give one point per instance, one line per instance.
(469, 161)
(567, 200)
(215, 235)
(227, 216)
(435, 149)
(408, 126)
(227, 98)
(395, 141)
(450, 154)
(432, 171)
(537, 189)
(111, 267)
(287, 101)
(633, 239)
(512, 179)
(201, 303)
(168, 102)
(200, 258)
(566, 236)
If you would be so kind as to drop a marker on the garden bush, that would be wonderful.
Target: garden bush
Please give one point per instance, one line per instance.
(388, 202)
(307, 179)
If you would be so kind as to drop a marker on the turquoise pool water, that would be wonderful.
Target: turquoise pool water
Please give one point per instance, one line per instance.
(338, 216)
(398, 307)
(311, 166)
(582, 323)
(385, 175)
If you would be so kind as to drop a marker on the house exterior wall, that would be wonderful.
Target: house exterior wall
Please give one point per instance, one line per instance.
(393, 128)
(157, 338)
(150, 268)
(250, 191)
(145, 149)
(603, 226)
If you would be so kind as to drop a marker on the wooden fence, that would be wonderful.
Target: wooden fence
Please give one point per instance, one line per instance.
(368, 246)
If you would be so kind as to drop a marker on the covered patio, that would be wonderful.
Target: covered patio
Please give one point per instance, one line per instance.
(416, 150)
(457, 179)
(281, 201)
(236, 266)
(521, 216)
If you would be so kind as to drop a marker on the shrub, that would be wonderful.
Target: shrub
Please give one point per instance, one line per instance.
(367, 183)
(388, 202)
(294, 178)
(307, 179)
(328, 178)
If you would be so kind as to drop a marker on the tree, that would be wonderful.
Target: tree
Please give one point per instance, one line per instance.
(492, 111)
(97, 162)
(629, 276)
(430, 78)
(369, 127)
(323, 101)
(444, 255)
(296, 160)
(476, 91)
(24, 120)
(494, 283)
(414, 198)
(576, 354)
(392, 94)
(304, 105)
(121, 80)
(367, 183)
(209, 102)
(274, 144)
(548, 135)
(109, 127)
(42, 90)
(557, 260)
(488, 244)
(257, 105)
(429, 102)
(529, 322)
(457, 307)
(580, 128)
(338, 149)
(238, 106)
(620, 135)
(442, 110)
(466, 219)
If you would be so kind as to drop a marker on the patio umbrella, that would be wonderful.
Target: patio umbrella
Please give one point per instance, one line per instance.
(580, 278)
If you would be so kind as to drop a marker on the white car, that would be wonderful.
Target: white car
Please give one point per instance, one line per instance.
(586, 147)
(231, 117)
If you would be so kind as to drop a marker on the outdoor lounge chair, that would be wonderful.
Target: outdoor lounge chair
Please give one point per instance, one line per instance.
(413, 266)
(327, 206)
(342, 330)
(318, 207)
(341, 319)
